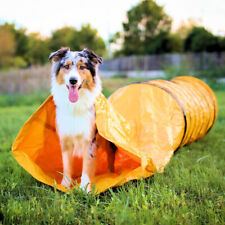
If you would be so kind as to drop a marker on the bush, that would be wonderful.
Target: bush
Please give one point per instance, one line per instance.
(213, 72)
(174, 71)
(19, 62)
(200, 40)
(216, 85)
(120, 75)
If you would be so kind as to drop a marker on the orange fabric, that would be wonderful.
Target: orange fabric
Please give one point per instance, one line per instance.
(147, 122)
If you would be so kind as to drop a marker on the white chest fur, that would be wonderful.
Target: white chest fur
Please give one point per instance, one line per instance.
(69, 123)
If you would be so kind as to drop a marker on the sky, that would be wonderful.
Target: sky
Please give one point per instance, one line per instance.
(107, 16)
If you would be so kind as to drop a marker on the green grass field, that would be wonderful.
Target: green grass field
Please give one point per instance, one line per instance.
(190, 191)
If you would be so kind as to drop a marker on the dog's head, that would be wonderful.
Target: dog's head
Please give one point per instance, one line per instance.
(75, 70)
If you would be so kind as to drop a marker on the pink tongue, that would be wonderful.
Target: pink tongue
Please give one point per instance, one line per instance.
(73, 94)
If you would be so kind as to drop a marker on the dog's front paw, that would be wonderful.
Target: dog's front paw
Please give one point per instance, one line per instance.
(85, 183)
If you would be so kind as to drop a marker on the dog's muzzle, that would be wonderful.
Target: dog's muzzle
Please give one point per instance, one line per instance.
(73, 80)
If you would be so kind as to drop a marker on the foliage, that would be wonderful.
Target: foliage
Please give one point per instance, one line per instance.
(22, 42)
(217, 86)
(213, 72)
(18, 62)
(174, 43)
(19, 49)
(172, 71)
(199, 39)
(7, 46)
(20, 37)
(146, 27)
(61, 38)
(190, 191)
(87, 37)
(38, 49)
(147, 31)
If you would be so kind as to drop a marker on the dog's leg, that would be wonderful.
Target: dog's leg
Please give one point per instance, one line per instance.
(89, 165)
(67, 157)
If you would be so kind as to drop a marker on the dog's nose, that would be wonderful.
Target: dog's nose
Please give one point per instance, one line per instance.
(73, 80)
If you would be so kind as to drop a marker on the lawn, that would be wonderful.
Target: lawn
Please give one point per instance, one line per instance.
(190, 191)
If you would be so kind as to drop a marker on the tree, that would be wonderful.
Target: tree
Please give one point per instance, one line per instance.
(61, 38)
(221, 41)
(19, 45)
(20, 37)
(146, 29)
(173, 43)
(19, 49)
(7, 46)
(38, 49)
(87, 37)
(22, 42)
(199, 39)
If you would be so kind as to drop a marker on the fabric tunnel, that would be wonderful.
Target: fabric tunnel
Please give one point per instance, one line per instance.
(146, 121)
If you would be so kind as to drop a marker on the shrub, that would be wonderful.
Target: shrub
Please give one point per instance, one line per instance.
(172, 71)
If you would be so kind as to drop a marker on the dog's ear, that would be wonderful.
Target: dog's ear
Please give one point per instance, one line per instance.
(92, 56)
(56, 56)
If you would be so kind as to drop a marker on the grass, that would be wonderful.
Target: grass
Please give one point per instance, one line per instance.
(190, 191)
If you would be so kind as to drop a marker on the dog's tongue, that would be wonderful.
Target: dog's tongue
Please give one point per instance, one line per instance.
(73, 94)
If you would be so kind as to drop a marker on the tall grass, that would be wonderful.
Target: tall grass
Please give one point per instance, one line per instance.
(25, 81)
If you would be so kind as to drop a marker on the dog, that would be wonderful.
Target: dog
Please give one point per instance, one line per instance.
(75, 86)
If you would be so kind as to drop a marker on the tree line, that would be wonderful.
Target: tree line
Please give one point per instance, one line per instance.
(146, 30)
(19, 49)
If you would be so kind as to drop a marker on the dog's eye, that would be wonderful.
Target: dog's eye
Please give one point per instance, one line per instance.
(82, 67)
(66, 67)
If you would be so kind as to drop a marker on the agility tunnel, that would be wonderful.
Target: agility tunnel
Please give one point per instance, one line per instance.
(146, 121)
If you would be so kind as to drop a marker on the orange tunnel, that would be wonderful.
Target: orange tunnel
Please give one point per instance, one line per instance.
(146, 121)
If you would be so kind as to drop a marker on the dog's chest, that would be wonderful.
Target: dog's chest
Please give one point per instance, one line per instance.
(70, 123)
